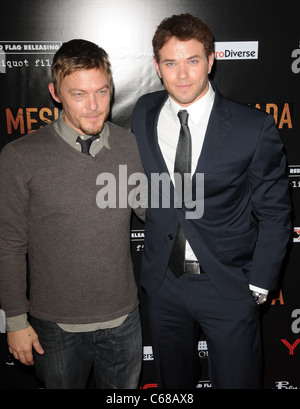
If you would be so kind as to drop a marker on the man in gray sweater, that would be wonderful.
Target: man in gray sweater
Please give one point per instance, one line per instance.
(82, 309)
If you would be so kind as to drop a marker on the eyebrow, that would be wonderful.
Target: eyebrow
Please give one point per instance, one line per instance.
(83, 90)
(76, 90)
(168, 60)
(194, 56)
(189, 58)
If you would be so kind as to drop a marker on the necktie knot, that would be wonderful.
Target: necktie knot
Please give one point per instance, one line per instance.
(86, 143)
(183, 117)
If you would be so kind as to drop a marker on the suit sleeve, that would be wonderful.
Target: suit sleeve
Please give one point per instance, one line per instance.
(271, 206)
(14, 202)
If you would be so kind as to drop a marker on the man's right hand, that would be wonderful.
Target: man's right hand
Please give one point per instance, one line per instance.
(20, 344)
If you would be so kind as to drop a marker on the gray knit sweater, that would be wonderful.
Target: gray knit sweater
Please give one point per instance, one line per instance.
(79, 255)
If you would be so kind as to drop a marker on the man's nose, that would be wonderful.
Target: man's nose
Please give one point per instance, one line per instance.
(182, 71)
(92, 102)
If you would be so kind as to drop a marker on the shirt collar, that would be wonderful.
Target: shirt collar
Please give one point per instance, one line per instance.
(70, 135)
(197, 109)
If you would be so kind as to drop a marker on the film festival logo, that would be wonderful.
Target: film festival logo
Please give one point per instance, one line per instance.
(186, 195)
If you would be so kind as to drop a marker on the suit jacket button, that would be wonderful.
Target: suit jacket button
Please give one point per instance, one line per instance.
(170, 236)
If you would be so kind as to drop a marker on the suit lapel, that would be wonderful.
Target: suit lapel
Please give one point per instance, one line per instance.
(216, 136)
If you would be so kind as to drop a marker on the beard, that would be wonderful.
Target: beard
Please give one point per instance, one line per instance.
(91, 130)
(85, 126)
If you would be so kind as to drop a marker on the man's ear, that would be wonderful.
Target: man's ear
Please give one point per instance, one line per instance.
(52, 92)
(211, 59)
(156, 64)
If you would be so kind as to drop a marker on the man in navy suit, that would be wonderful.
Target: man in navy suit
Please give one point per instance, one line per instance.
(236, 241)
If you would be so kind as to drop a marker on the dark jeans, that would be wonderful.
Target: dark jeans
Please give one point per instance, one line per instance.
(115, 353)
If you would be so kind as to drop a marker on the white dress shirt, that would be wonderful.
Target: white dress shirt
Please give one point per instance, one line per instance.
(168, 134)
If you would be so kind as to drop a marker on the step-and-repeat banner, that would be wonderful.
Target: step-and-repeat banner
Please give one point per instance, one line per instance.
(257, 63)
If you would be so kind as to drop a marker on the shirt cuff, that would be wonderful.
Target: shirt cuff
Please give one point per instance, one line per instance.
(16, 323)
(258, 289)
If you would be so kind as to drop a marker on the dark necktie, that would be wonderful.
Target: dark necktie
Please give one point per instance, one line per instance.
(182, 165)
(86, 143)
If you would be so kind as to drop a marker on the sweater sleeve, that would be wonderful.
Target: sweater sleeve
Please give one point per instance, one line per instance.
(14, 199)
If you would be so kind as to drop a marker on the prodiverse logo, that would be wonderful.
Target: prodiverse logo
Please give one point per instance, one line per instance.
(236, 50)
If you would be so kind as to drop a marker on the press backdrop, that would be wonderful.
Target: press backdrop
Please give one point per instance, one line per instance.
(258, 63)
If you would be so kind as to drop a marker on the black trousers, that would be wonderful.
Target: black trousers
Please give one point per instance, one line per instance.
(179, 311)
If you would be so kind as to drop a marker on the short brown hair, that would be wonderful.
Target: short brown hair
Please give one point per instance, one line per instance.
(77, 55)
(184, 27)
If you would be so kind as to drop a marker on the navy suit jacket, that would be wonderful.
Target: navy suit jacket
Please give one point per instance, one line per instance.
(242, 235)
